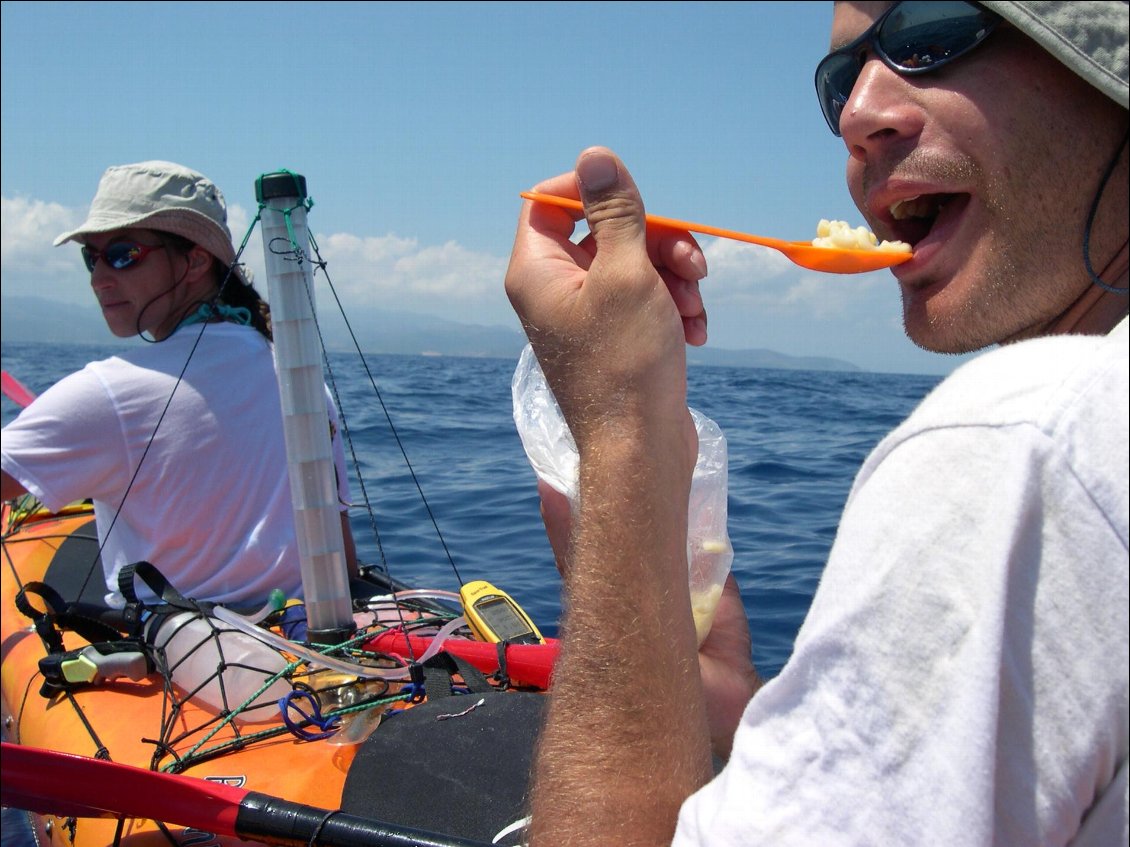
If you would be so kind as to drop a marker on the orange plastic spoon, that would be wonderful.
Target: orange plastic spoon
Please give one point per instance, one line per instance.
(833, 260)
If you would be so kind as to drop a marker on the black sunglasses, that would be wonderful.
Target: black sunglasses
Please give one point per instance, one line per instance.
(119, 255)
(912, 37)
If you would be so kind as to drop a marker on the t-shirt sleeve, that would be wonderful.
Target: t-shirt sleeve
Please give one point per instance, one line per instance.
(67, 445)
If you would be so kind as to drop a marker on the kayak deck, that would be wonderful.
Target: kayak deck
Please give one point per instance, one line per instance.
(149, 723)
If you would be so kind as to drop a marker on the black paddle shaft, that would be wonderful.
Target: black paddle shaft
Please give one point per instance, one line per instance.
(283, 822)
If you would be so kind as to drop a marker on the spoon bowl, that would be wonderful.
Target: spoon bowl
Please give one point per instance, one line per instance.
(833, 260)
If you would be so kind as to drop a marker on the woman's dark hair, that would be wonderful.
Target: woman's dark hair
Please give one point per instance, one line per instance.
(233, 290)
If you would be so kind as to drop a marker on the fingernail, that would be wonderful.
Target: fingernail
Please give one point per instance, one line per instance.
(699, 325)
(699, 262)
(597, 172)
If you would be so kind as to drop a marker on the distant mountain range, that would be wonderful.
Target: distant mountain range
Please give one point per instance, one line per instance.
(24, 319)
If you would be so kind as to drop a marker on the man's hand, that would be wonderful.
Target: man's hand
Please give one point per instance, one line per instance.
(725, 660)
(608, 317)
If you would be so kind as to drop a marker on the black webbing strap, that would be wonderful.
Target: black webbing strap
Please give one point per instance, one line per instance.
(58, 615)
(501, 676)
(159, 585)
(440, 668)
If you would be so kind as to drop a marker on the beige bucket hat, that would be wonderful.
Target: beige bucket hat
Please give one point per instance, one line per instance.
(1089, 36)
(162, 196)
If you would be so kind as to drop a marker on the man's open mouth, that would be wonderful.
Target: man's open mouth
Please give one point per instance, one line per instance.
(912, 218)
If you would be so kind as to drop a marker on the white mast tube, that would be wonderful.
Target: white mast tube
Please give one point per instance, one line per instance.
(298, 365)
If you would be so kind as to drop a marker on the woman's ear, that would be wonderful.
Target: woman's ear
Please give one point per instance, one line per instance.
(200, 263)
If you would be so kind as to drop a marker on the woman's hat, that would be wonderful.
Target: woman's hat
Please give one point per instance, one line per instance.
(162, 196)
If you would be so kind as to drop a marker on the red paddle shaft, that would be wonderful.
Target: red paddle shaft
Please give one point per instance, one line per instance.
(49, 782)
(15, 390)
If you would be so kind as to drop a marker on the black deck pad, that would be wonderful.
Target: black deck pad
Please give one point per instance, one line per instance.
(76, 575)
(455, 765)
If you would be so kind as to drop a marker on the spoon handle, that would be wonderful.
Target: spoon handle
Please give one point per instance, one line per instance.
(671, 223)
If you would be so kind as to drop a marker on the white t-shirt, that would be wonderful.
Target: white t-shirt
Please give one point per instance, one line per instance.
(211, 505)
(961, 677)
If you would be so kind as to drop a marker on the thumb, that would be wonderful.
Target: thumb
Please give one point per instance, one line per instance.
(613, 206)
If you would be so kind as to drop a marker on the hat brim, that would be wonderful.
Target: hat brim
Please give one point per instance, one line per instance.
(197, 228)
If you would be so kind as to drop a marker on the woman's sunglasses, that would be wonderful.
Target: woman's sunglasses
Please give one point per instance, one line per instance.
(912, 37)
(119, 255)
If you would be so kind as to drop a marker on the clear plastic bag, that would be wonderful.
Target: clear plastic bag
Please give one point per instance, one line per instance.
(552, 453)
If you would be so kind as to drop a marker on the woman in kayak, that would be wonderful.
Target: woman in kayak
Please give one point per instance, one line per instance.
(179, 442)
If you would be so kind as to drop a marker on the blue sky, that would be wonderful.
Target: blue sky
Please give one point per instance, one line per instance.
(417, 124)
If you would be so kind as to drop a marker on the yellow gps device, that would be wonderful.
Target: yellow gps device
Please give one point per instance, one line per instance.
(493, 615)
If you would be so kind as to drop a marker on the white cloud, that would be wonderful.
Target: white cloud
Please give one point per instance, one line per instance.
(820, 296)
(448, 280)
(758, 278)
(29, 263)
(28, 225)
(741, 265)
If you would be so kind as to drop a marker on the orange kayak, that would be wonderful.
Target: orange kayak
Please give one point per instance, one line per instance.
(149, 723)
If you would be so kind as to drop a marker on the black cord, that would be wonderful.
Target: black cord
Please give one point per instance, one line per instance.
(1091, 220)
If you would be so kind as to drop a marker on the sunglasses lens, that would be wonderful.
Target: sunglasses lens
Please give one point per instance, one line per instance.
(914, 37)
(917, 36)
(835, 78)
(118, 256)
(121, 255)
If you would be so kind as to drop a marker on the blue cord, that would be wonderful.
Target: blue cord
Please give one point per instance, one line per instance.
(328, 726)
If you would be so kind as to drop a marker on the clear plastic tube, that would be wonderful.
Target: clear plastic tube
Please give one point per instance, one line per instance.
(249, 626)
(298, 366)
(276, 601)
(442, 636)
(312, 656)
(417, 594)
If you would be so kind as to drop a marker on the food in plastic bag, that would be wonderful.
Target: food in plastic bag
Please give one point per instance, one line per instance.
(553, 455)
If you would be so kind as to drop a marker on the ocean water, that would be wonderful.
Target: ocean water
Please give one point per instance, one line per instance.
(451, 492)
